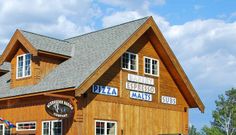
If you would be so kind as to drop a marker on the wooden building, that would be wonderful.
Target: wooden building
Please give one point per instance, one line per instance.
(122, 80)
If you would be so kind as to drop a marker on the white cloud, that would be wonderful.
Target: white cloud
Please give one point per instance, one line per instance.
(133, 4)
(56, 18)
(120, 17)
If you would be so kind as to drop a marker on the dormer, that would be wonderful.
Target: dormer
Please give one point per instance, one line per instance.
(32, 57)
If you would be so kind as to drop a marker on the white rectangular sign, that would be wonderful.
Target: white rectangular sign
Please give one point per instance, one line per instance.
(140, 87)
(168, 100)
(140, 79)
(140, 96)
(105, 90)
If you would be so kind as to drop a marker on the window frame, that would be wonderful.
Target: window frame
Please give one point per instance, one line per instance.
(151, 65)
(105, 128)
(17, 126)
(4, 128)
(129, 62)
(23, 68)
(50, 126)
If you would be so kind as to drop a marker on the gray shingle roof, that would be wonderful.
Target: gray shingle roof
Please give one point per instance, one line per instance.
(48, 44)
(88, 52)
(5, 66)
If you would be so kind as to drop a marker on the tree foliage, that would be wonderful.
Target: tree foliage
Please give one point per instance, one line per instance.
(193, 131)
(225, 113)
(211, 131)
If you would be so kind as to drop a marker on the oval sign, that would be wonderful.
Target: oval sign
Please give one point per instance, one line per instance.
(59, 109)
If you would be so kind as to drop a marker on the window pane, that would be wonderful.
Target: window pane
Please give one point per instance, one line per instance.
(57, 128)
(154, 67)
(7, 131)
(20, 66)
(125, 61)
(100, 128)
(46, 128)
(147, 65)
(26, 126)
(111, 129)
(132, 62)
(1, 130)
(27, 64)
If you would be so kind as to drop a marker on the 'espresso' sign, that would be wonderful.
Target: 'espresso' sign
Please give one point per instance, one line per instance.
(59, 109)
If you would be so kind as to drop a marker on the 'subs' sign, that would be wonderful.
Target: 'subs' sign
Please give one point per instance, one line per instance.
(59, 109)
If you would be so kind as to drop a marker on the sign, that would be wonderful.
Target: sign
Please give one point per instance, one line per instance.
(140, 96)
(60, 109)
(140, 79)
(105, 90)
(168, 100)
(140, 87)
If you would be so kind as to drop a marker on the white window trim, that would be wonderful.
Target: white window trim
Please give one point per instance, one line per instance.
(23, 70)
(105, 121)
(50, 128)
(158, 67)
(137, 61)
(3, 129)
(17, 125)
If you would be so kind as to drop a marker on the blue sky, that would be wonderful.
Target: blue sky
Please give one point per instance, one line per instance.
(200, 32)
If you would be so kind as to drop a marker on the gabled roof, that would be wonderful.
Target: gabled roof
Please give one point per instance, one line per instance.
(88, 53)
(91, 56)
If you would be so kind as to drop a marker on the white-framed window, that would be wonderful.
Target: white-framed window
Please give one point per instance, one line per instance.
(151, 66)
(23, 66)
(25, 126)
(105, 127)
(129, 61)
(4, 130)
(52, 127)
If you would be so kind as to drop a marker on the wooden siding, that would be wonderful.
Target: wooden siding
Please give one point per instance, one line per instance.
(28, 110)
(135, 116)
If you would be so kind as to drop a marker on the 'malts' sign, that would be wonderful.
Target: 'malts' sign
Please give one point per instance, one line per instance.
(141, 87)
(140, 96)
(59, 109)
(105, 90)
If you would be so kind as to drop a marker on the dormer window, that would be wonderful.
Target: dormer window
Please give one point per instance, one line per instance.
(23, 66)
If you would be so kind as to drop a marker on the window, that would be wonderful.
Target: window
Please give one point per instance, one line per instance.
(23, 65)
(4, 130)
(130, 61)
(52, 127)
(151, 66)
(24, 126)
(105, 127)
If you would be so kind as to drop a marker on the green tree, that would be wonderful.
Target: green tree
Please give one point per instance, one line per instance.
(193, 131)
(225, 114)
(211, 131)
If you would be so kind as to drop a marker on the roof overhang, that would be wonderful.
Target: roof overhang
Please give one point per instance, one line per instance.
(169, 59)
(17, 37)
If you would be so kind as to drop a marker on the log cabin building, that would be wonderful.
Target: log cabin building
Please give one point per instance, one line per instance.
(121, 80)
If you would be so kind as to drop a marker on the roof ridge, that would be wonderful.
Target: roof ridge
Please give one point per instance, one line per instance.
(44, 36)
(106, 28)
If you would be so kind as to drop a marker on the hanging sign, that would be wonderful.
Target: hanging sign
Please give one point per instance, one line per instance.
(59, 109)
(168, 100)
(140, 96)
(105, 90)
